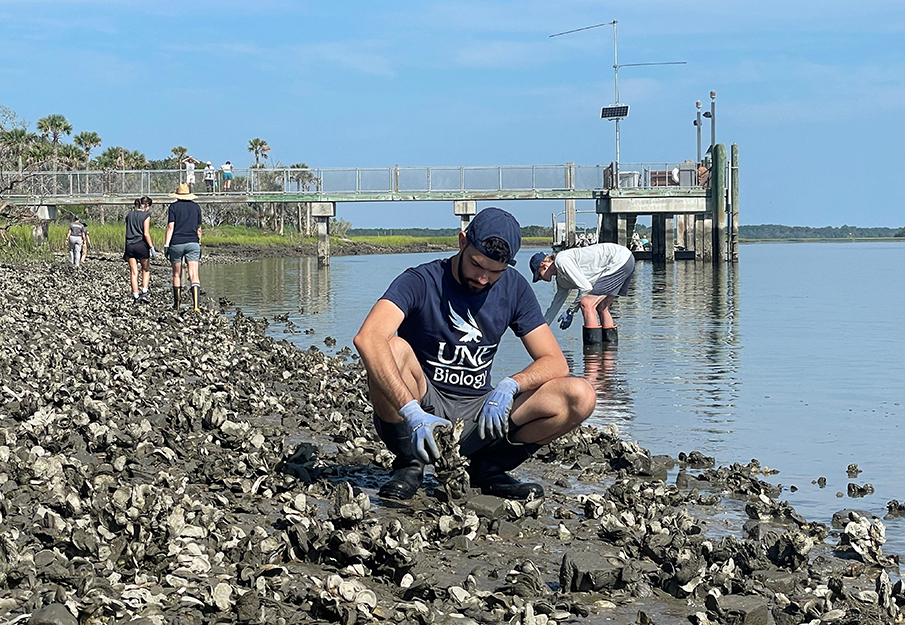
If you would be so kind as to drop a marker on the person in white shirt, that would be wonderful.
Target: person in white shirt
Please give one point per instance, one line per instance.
(600, 272)
(227, 169)
(189, 162)
(210, 175)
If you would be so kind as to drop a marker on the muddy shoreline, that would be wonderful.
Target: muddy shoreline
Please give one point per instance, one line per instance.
(178, 467)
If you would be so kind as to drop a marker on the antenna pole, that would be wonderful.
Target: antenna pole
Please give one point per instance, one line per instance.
(615, 64)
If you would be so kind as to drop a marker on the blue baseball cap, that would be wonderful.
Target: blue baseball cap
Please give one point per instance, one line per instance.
(534, 264)
(495, 222)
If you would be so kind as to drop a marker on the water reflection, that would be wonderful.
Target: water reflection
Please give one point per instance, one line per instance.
(614, 401)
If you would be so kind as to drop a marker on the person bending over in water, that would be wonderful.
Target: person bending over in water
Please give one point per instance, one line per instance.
(600, 272)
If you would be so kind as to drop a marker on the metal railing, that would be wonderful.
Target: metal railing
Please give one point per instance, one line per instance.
(352, 181)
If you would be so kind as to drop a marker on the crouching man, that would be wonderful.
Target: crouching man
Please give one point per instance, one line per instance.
(428, 345)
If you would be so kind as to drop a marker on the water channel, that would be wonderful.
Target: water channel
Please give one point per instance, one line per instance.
(796, 356)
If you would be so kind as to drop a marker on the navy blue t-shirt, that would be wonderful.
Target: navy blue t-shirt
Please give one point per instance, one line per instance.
(186, 218)
(455, 333)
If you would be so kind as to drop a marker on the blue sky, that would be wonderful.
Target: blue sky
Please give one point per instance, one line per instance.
(812, 91)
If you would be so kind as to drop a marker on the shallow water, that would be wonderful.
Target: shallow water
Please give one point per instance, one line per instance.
(796, 356)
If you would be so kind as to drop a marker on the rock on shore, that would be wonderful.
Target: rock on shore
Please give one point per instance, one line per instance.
(179, 467)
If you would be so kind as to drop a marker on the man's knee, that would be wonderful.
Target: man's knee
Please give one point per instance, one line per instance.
(582, 399)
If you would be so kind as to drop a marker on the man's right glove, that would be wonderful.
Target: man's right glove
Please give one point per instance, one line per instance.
(565, 319)
(422, 425)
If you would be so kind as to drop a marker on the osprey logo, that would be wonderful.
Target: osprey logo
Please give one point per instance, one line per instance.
(470, 330)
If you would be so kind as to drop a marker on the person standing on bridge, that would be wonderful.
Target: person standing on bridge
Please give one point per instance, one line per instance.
(210, 176)
(183, 242)
(227, 169)
(428, 346)
(600, 272)
(189, 162)
(139, 247)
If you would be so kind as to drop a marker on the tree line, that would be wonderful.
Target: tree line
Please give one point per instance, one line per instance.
(777, 231)
(44, 147)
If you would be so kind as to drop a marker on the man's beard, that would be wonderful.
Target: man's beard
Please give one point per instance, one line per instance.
(474, 290)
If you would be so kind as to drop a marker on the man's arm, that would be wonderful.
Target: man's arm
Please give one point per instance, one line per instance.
(373, 345)
(549, 362)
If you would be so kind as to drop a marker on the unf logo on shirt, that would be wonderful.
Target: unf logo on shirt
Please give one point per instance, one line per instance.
(466, 365)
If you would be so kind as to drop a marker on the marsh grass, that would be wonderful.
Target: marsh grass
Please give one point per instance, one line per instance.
(403, 241)
(110, 238)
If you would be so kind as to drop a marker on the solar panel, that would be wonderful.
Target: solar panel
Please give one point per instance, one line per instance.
(617, 111)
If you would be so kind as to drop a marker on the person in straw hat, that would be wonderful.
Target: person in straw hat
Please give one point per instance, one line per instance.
(183, 242)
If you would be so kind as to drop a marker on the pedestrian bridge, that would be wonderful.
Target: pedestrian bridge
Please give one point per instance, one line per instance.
(359, 184)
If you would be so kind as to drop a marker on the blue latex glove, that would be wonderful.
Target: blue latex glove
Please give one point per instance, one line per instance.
(494, 419)
(422, 426)
(565, 319)
(153, 252)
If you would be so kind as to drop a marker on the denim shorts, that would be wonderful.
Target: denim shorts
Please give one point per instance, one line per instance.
(185, 251)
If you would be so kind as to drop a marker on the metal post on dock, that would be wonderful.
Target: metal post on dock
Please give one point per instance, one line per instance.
(465, 209)
(570, 206)
(733, 196)
(697, 123)
(718, 203)
(322, 212)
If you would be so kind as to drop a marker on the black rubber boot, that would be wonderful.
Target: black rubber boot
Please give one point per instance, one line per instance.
(488, 467)
(177, 297)
(591, 336)
(196, 295)
(408, 470)
(611, 335)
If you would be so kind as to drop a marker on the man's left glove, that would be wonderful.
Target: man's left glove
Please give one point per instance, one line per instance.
(565, 319)
(494, 419)
(153, 253)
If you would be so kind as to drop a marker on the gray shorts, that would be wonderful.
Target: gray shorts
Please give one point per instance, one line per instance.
(461, 408)
(185, 251)
(617, 282)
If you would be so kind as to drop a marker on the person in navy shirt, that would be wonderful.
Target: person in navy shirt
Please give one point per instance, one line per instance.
(428, 345)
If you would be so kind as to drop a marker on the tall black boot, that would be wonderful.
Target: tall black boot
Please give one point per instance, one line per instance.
(611, 335)
(408, 469)
(177, 297)
(488, 467)
(196, 295)
(591, 336)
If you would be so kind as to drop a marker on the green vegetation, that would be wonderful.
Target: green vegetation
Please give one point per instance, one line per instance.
(403, 241)
(778, 232)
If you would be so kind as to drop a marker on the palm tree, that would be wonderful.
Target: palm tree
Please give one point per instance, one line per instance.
(259, 148)
(109, 158)
(133, 159)
(87, 140)
(53, 126)
(71, 156)
(179, 152)
(38, 152)
(17, 141)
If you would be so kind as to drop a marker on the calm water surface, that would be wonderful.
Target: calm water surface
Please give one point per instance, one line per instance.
(796, 356)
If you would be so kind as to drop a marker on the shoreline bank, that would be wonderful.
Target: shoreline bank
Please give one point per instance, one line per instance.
(181, 467)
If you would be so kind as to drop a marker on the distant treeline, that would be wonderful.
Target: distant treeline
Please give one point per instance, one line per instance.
(763, 231)
(776, 231)
(527, 231)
